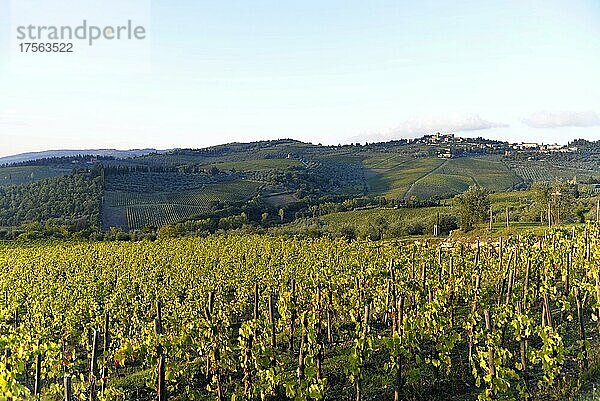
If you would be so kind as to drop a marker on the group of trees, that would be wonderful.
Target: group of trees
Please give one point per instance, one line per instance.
(73, 200)
(472, 207)
(551, 204)
(556, 203)
(382, 228)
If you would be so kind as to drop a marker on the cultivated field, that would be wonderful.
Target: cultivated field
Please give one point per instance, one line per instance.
(257, 317)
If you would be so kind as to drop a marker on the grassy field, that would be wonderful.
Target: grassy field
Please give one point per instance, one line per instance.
(28, 174)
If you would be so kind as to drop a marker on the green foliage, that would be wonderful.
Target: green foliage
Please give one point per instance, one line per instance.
(61, 291)
(74, 200)
(556, 199)
(472, 206)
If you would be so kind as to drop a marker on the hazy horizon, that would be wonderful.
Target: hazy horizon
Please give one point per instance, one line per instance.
(258, 140)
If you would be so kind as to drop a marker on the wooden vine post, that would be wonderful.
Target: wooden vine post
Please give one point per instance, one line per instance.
(491, 356)
(398, 380)
(303, 328)
(474, 306)
(330, 316)
(68, 394)
(216, 373)
(319, 360)
(93, 365)
(581, 320)
(161, 387)
(272, 321)
(365, 329)
(522, 345)
(105, 349)
(293, 315)
(38, 371)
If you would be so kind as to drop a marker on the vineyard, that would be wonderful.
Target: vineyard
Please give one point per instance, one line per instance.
(548, 173)
(140, 216)
(160, 208)
(486, 172)
(257, 317)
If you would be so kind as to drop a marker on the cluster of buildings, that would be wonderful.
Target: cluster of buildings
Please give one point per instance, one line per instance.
(454, 146)
(536, 147)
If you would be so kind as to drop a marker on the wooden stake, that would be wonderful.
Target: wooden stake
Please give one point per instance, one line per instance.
(210, 305)
(598, 299)
(162, 387)
(549, 320)
(582, 337)
(526, 283)
(488, 327)
(158, 329)
(93, 365)
(272, 321)
(301, 350)
(329, 317)
(105, 349)
(38, 371)
(256, 301)
(398, 385)
(293, 315)
(523, 342)
(319, 359)
(365, 327)
(394, 301)
(67, 385)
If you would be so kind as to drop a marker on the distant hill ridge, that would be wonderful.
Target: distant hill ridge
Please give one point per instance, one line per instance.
(440, 139)
(47, 154)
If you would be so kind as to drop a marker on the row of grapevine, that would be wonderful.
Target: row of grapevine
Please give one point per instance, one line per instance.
(256, 317)
(161, 208)
(140, 216)
(190, 198)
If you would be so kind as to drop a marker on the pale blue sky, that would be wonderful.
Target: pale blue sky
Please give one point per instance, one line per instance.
(320, 71)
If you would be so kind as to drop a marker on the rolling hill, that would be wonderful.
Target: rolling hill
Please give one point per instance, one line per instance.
(151, 188)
